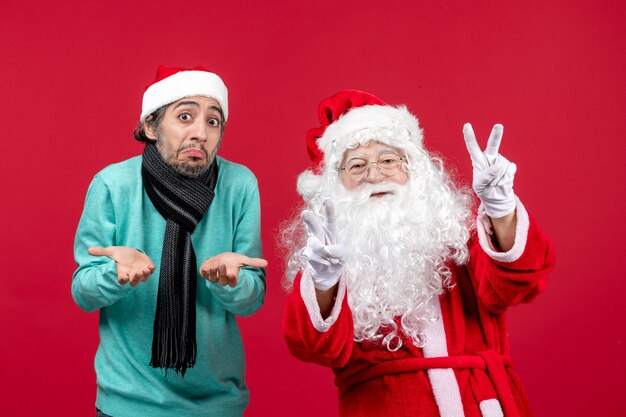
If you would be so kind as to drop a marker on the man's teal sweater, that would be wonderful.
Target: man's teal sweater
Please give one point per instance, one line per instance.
(118, 212)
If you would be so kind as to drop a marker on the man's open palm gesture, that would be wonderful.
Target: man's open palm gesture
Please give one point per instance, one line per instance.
(132, 266)
(224, 268)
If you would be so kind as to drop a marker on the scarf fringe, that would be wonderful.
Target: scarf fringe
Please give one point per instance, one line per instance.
(167, 353)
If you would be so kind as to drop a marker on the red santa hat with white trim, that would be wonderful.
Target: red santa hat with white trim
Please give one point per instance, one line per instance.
(171, 84)
(351, 118)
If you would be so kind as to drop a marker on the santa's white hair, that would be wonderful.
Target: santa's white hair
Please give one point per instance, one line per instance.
(400, 246)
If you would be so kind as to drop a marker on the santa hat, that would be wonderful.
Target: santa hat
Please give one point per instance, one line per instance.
(351, 118)
(172, 84)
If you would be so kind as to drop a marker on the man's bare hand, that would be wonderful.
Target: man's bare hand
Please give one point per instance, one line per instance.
(224, 268)
(132, 266)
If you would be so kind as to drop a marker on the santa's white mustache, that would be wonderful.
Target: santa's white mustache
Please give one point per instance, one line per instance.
(363, 193)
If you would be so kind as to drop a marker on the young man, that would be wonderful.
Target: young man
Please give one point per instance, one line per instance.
(168, 250)
(398, 288)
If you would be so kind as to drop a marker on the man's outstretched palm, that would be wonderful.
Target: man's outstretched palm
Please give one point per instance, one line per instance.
(224, 268)
(132, 266)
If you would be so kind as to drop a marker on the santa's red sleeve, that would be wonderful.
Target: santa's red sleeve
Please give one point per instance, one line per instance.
(311, 338)
(504, 279)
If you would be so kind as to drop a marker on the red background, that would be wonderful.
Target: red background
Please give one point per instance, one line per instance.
(553, 73)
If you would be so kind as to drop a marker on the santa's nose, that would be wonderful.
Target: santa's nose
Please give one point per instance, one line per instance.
(373, 175)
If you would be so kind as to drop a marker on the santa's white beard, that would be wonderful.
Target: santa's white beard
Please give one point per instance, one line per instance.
(399, 246)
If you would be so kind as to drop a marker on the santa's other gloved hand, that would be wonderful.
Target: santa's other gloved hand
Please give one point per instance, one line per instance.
(493, 173)
(324, 254)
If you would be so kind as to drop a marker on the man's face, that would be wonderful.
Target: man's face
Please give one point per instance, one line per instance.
(381, 162)
(189, 134)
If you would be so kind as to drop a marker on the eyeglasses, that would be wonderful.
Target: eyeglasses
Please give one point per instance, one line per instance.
(388, 164)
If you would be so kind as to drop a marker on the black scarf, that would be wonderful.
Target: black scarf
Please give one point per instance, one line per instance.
(182, 201)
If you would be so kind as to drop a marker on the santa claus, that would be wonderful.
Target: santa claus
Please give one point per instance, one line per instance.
(396, 284)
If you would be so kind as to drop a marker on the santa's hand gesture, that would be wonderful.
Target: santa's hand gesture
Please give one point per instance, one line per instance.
(324, 254)
(493, 173)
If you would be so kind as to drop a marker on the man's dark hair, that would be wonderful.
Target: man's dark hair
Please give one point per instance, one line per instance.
(156, 117)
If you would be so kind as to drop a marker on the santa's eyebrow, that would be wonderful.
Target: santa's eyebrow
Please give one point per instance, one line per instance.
(378, 154)
(356, 157)
(388, 150)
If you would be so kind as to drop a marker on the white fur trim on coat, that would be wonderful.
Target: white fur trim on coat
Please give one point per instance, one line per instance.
(484, 229)
(307, 290)
(443, 381)
(491, 408)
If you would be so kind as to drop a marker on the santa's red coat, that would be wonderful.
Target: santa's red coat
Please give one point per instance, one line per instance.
(473, 376)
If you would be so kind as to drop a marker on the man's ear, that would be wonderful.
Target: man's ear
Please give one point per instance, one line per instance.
(149, 128)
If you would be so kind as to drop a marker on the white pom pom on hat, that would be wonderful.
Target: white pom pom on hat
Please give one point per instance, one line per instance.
(171, 84)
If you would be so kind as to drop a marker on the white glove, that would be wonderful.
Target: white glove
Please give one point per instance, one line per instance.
(325, 256)
(493, 173)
